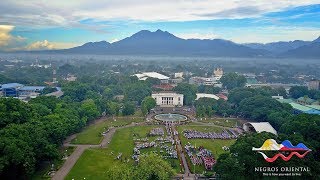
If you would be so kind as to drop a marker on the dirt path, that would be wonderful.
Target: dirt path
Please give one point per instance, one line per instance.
(80, 148)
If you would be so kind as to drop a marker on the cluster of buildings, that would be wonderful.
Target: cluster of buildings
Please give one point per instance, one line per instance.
(166, 98)
(176, 78)
(208, 81)
(20, 90)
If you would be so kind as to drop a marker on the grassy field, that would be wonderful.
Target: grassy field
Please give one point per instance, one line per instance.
(221, 122)
(202, 128)
(94, 163)
(92, 133)
(214, 145)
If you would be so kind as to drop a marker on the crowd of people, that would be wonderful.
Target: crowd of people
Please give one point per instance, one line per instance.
(156, 132)
(199, 156)
(166, 144)
(225, 134)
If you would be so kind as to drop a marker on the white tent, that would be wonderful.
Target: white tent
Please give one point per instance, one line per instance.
(259, 127)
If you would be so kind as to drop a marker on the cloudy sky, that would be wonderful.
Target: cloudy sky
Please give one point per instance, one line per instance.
(56, 24)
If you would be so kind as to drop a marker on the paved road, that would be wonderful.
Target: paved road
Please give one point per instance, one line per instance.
(70, 162)
(80, 148)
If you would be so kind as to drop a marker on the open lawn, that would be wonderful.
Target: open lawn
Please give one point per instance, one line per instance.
(221, 122)
(214, 145)
(92, 133)
(94, 163)
(199, 127)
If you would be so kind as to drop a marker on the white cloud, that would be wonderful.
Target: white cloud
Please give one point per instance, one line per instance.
(197, 35)
(40, 45)
(69, 13)
(7, 40)
(5, 35)
(46, 45)
(114, 40)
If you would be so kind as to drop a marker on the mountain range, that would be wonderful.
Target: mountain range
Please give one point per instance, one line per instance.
(164, 43)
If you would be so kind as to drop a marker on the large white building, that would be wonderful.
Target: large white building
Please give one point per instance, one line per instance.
(168, 99)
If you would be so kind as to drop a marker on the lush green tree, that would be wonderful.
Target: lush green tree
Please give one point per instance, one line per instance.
(112, 108)
(259, 107)
(89, 109)
(208, 89)
(128, 108)
(189, 92)
(107, 93)
(13, 111)
(298, 91)
(5, 79)
(228, 167)
(48, 90)
(307, 125)
(120, 171)
(147, 104)
(153, 81)
(236, 95)
(76, 91)
(152, 166)
(223, 108)
(233, 80)
(40, 109)
(277, 118)
(201, 111)
(137, 91)
(49, 101)
(204, 107)
(281, 91)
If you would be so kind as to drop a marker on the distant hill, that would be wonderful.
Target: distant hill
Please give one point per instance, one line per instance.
(278, 47)
(317, 40)
(163, 43)
(87, 48)
(311, 50)
(283, 48)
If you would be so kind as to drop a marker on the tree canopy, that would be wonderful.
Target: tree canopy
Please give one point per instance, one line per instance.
(233, 80)
(150, 166)
(189, 92)
(147, 104)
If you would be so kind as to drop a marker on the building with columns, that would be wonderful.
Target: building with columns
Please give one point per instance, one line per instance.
(168, 99)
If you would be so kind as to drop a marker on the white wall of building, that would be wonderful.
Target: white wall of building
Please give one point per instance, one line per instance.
(168, 99)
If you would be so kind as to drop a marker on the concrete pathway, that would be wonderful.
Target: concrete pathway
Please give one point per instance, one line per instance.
(180, 150)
